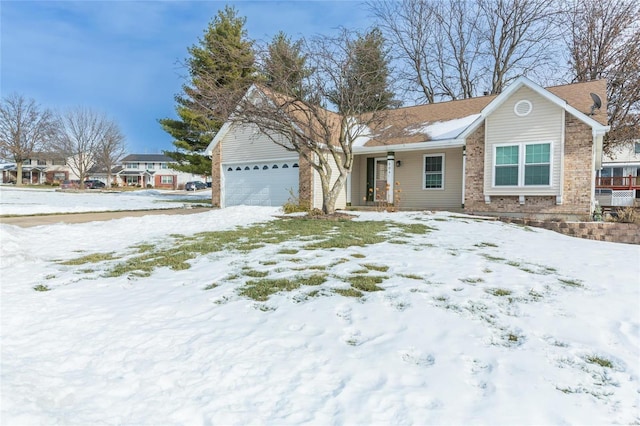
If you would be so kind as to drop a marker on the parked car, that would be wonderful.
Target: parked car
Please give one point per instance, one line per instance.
(70, 184)
(93, 184)
(193, 186)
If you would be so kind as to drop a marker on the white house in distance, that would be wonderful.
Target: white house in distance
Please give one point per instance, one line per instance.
(153, 170)
(618, 182)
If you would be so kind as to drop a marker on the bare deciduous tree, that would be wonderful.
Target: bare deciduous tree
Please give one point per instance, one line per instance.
(81, 131)
(452, 49)
(25, 129)
(302, 124)
(603, 41)
(110, 149)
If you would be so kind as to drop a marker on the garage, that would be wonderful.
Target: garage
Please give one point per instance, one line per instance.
(259, 184)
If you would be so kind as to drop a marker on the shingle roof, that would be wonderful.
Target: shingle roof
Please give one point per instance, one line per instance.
(150, 158)
(406, 125)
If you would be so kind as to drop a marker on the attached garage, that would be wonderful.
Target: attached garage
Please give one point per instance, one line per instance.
(259, 184)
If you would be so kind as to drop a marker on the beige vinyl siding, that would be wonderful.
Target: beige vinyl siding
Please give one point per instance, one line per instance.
(341, 202)
(544, 124)
(246, 144)
(410, 179)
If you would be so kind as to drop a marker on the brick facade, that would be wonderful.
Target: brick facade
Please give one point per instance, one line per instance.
(305, 184)
(578, 174)
(216, 159)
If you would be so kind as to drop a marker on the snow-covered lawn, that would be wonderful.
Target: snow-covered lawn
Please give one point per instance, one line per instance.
(23, 201)
(477, 322)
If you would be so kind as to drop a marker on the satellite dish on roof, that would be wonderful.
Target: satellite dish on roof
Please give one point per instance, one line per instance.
(597, 102)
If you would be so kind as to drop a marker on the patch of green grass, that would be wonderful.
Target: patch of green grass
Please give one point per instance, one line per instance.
(397, 241)
(211, 286)
(86, 271)
(348, 292)
(358, 255)
(90, 258)
(41, 287)
(484, 244)
(288, 251)
(260, 290)
(360, 271)
(50, 277)
(514, 263)
(499, 292)
(254, 274)
(493, 258)
(440, 219)
(366, 282)
(379, 268)
(178, 251)
(602, 362)
(315, 279)
(414, 228)
(411, 276)
(268, 262)
(317, 267)
(570, 283)
(472, 280)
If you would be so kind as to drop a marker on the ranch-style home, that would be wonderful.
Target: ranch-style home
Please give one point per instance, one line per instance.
(530, 151)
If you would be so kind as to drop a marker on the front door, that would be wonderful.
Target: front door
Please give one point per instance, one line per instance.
(381, 180)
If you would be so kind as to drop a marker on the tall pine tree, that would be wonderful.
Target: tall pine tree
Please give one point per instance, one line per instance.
(223, 57)
(285, 66)
(366, 77)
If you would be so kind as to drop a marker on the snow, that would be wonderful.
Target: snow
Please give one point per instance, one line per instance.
(23, 201)
(443, 130)
(436, 350)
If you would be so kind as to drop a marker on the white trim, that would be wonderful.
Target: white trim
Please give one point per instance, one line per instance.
(522, 147)
(391, 164)
(523, 102)
(464, 173)
(517, 84)
(424, 173)
(265, 161)
(418, 146)
(375, 176)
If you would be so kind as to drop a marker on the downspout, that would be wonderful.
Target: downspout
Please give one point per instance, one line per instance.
(348, 189)
(464, 172)
(391, 163)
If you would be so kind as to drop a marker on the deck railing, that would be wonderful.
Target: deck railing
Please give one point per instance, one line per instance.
(618, 182)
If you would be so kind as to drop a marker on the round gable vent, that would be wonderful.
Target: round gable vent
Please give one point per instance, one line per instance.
(522, 108)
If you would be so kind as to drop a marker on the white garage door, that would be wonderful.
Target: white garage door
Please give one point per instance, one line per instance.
(264, 184)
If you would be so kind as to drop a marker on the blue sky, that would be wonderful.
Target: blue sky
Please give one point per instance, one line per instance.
(120, 57)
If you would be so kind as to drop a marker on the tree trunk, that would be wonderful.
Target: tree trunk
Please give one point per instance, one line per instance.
(18, 173)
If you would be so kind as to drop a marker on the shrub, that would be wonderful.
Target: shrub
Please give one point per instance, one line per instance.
(293, 204)
(628, 215)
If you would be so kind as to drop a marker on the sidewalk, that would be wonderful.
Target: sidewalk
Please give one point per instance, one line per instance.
(28, 221)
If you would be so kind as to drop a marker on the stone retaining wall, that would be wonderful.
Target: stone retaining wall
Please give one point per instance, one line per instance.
(614, 232)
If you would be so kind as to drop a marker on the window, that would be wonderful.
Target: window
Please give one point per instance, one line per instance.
(164, 165)
(636, 147)
(42, 162)
(537, 164)
(523, 165)
(433, 172)
(131, 165)
(26, 163)
(59, 162)
(166, 180)
(507, 165)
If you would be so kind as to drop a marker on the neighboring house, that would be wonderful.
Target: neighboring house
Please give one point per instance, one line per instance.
(42, 167)
(153, 170)
(618, 182)
(529, 151)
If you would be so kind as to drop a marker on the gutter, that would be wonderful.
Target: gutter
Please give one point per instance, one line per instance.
(443, 144)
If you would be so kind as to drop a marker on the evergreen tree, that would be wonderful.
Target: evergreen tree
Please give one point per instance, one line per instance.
(366, 76)
(285, 66)
(224, 57)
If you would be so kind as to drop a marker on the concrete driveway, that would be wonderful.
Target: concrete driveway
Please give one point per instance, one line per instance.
(28, 221)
